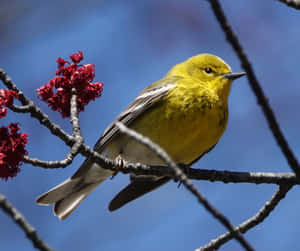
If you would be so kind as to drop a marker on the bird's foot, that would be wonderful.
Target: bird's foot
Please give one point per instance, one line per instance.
(185, 169)
(119, 164)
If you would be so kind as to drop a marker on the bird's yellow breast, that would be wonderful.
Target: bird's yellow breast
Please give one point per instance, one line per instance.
(186, 123)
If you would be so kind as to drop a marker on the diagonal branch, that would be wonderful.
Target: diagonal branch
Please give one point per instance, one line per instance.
(179, 174)
(19, 219)
(255, 85)
(262, 214)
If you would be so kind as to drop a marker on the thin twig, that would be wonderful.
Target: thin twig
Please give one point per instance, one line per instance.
(74, 117)
(292, 3)
(262, 214)
(75, 148)
(55, 164)
(179, 174)
(256, 87)
(20, 220)
(21, 109)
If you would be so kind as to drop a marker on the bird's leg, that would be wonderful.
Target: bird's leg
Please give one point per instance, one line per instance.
(185, 169)
(119, 164)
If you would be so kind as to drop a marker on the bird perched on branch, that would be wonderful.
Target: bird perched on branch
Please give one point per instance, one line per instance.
(185, 113)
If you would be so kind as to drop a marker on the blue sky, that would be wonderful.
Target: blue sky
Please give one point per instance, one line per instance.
(132, 44)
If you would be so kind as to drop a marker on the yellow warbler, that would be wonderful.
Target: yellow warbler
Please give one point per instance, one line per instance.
(185, 113)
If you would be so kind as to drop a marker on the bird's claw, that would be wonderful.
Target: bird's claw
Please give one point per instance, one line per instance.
(119, 164)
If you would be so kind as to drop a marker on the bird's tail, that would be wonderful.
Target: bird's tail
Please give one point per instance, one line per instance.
(67, 196)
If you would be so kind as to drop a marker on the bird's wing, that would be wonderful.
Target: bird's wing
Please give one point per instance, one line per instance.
(146, 99)
(137, 188)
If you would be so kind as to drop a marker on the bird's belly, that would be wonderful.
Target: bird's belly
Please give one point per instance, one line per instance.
(183, 135)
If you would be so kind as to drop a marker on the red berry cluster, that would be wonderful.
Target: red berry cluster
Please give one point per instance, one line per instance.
(12, 143)
(57, 92)
(6, 99)
(12, 150)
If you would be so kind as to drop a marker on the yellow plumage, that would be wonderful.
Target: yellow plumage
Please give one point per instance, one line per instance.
(187, 122)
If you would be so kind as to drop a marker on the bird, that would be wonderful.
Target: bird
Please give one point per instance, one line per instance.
(185, 113)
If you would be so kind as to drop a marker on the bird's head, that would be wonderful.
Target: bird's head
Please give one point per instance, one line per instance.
(210, 70)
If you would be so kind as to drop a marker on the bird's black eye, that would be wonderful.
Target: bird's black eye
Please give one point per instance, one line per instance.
(208, 70)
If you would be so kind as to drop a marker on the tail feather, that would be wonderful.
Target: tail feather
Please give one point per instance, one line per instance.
(59, 192)
(67, 196)
(64, 207)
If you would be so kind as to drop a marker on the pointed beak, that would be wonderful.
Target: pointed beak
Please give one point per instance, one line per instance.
(234, 75)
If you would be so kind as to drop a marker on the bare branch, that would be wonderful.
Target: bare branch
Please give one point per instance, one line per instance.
(55, 164)
(178, 173)
(262, 214)
(21, 109)
(256, 87)
(243, 177)
(74, 117)
(192, 173)
(292, 3)
(19, 219)
(75, 148)
(215, 175)
(210, 175)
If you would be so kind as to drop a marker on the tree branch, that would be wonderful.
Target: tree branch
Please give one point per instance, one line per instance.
(74, 117)
(21, 109)
(192, 173)
(262, 214)
(55, 164)
(19, 219)
(243, 177)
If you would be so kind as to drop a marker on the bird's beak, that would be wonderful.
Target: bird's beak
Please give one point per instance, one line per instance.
(234, 75)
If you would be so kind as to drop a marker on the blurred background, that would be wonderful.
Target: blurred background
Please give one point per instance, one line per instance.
(132, 44)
